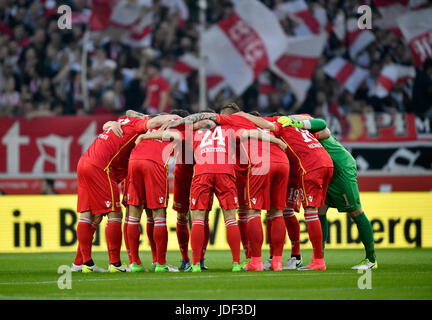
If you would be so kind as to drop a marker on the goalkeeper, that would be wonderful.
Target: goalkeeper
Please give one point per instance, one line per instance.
(342, 192)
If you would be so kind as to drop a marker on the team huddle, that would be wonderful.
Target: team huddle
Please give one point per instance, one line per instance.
(250, 163)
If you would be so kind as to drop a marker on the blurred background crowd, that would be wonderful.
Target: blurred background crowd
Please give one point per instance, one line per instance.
(40, 65)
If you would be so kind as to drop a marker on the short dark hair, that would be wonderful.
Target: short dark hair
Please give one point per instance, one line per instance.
(232, 106)
(255, 113)
(50, 182)
(276, 114)
(180, 112)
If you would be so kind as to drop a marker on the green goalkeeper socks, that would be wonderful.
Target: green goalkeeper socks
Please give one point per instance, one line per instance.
(366, 235)
(324, 228)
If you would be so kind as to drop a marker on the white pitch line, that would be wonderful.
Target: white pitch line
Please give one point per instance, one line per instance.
(185, 277)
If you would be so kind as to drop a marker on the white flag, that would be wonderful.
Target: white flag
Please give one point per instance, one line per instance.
(243, 45)
(345, 73)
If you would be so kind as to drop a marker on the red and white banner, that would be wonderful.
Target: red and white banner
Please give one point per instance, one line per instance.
(345, 73)
(123, 20)
(389, 76)
(243, 45)
(309, 22)
(416, 28)
(356, 39)
(46, 146)
(297, 65)
(189, 63)
(390, 10)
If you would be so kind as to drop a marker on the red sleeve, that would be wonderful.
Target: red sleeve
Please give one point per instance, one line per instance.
(271, 119)
(141, 124)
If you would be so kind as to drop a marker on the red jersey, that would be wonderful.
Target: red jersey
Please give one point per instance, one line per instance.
(111, 152)
(155, 150)
(155, 87)
(258, 151)
(214, 150)
(303, 149)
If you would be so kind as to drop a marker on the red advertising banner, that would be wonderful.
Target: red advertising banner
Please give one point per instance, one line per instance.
(45, 146)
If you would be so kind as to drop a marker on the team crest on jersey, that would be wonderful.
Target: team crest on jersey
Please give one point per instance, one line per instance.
(193, 201)
(108, 203)
(310, 198)
(161, 199)
(254, 200)
(235, 200)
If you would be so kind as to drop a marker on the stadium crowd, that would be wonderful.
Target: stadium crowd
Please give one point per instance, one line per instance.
(40, 66)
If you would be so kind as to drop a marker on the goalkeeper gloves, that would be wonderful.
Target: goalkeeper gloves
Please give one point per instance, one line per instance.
(288, 122)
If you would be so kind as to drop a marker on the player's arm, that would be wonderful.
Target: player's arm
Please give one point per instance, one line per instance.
(115, 127)
(310, 124)
(165, 135)
(135, 114)
(259, 135)
(259, 122)
(323, 134)
(160, 121)
(193, 118)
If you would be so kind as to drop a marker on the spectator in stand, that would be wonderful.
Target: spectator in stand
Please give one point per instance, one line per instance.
(422, 90)
(108, 104)
(47, 186)
(157, 90)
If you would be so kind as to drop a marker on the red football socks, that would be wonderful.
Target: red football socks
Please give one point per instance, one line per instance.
(149, 230)
(182, 231)
(255, 234)
(293, 227)
(242, 224)
(314, 231)
(277, 234)
(113, 234)
(160, 236)
(233, 238)
(197, 239)
(206, 238)
(133, 234)
(85, 233)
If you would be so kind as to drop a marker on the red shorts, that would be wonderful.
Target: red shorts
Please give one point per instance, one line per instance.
(221, 184)
(148, 184)
(313, 187)
(293, 191)
(98, 190)
(182, 184)
(269, 190)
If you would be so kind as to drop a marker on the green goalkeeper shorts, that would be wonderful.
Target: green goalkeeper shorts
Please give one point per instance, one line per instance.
(343, 192)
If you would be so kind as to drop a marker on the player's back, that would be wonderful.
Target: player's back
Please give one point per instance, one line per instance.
(214, 150)
(155, 150)
(340, 156)
(109, 150)
(303, 148)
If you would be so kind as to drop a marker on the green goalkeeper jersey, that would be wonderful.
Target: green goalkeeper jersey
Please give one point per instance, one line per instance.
(340, 156)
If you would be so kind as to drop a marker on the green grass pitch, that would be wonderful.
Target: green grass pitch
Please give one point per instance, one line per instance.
(402, 274)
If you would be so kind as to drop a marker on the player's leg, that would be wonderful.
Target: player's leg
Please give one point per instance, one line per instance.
(113, 234)
(242, 223)
(313, 194)
(85, 233)
(160, 236)
(182, 232)
(206, 239)
(322, 214)
(149, 231)
(226, 193)
(233, 236)
(197, 239)
(367, 238)
(292, 224)
(255, 238)
(268, 263)
(277, 237)
(133, 234)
